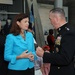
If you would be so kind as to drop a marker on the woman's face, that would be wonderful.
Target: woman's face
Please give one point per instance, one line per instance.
(23, 24)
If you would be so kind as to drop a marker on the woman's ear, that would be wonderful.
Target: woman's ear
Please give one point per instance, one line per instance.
(18, 23)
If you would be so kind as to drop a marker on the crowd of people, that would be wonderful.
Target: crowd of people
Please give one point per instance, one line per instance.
(20, 54)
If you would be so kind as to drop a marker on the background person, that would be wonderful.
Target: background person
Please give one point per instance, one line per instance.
(51, 40)
(7, 27)
(38, 66)
(46, 66)
(3, 64)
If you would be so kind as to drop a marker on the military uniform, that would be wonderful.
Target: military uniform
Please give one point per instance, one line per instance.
(62, 60)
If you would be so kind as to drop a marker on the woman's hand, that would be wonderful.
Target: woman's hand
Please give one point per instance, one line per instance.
(26, 55)
(31, 56)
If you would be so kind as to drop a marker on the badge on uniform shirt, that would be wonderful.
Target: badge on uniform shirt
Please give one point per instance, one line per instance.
(58, 40)
(57, 43)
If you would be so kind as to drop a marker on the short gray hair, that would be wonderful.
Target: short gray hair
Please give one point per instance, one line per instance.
(58, 11)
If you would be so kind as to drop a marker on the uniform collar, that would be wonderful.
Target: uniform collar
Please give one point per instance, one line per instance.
(62, 27)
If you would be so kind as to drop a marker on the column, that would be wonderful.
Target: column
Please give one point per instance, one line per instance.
(58, 3)
(38, 25)
(24, 7)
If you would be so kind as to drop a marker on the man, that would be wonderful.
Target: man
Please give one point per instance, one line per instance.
(7, 27)
(62, 59)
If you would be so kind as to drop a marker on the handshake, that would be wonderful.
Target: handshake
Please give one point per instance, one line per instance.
(40, 51)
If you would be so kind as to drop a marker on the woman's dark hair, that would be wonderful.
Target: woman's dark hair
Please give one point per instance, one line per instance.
(30, 26)
(15, 29)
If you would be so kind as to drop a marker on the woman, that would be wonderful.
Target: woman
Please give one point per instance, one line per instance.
(19, 47)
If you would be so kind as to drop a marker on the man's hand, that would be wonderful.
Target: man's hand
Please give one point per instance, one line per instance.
(39, 51)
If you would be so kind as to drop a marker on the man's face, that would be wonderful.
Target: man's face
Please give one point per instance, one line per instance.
(9, 21)
(53, 19)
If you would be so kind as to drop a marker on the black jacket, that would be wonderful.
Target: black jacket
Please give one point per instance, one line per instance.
(3, 64)
(62, 60)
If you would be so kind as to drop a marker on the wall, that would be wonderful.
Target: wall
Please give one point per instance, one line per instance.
(44, 15)
(10, 10)
(6, 1)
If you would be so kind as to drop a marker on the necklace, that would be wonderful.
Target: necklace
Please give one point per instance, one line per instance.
(23, 35)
